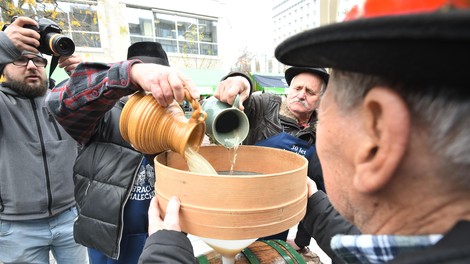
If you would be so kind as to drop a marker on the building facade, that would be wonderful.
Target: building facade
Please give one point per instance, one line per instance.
(197, 35)
(290, 17)
(293, 16)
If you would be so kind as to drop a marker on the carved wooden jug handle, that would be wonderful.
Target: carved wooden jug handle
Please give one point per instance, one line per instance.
(198, 115)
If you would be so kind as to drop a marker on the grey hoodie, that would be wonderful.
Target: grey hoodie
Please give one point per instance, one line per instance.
(8, 51)
(36, 155)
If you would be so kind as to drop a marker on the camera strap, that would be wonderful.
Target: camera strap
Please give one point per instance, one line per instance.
(54, 63)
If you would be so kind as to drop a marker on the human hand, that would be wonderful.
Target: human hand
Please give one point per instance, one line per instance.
(171, 220)
(312, 187)
(228, 89)
(23, 38)
(165, 83)
(69, 63)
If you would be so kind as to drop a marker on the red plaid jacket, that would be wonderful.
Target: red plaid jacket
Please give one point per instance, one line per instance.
(91, 90)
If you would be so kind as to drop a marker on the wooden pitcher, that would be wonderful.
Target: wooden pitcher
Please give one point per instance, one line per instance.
(151, 128)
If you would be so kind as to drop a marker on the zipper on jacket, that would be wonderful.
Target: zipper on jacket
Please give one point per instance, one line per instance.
(1, 204)
(124, 205)
(43, 151)
(87, 187)
(54, 123)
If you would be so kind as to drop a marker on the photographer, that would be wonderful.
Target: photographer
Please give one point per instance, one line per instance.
(37, 206)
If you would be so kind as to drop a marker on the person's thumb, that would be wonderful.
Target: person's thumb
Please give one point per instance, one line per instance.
(171, 221)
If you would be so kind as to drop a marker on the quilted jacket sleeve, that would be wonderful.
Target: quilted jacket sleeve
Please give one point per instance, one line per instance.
(167, 246)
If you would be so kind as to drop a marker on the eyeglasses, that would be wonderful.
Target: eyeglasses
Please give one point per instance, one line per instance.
(37, 61)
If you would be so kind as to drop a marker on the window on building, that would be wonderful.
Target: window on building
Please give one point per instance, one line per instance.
(78, 19)
(140, 24)
(208, 36)
(83, 25)
(165, 32)
(188, 35)
(178, 33)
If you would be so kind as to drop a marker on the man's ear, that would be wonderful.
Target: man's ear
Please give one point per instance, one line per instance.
(386, 130)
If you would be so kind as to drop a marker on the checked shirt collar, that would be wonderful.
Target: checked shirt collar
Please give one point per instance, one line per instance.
(378, 248)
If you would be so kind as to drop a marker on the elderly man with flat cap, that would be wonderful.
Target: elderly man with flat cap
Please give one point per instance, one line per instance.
(393, 135)
(283, 122)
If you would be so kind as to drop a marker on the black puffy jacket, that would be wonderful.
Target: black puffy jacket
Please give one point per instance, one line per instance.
(104, 174)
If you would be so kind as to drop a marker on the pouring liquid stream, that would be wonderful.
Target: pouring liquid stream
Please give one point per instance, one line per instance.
(233, 151)
(198, 164)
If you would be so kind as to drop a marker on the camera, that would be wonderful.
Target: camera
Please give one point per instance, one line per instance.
(52, 42)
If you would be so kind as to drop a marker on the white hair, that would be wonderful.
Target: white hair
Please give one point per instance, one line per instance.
(442, 113)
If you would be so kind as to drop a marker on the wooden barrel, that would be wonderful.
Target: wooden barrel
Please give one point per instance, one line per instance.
(262, 252)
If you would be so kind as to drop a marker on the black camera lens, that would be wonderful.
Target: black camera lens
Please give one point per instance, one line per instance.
(60, 45)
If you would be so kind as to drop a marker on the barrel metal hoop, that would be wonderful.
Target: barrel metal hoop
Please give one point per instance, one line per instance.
(292, 251)
(279, 250)
(250, 256)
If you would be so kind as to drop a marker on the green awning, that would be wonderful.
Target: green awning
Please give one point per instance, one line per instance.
(270, 83)
(275, 90)
(206, 80)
